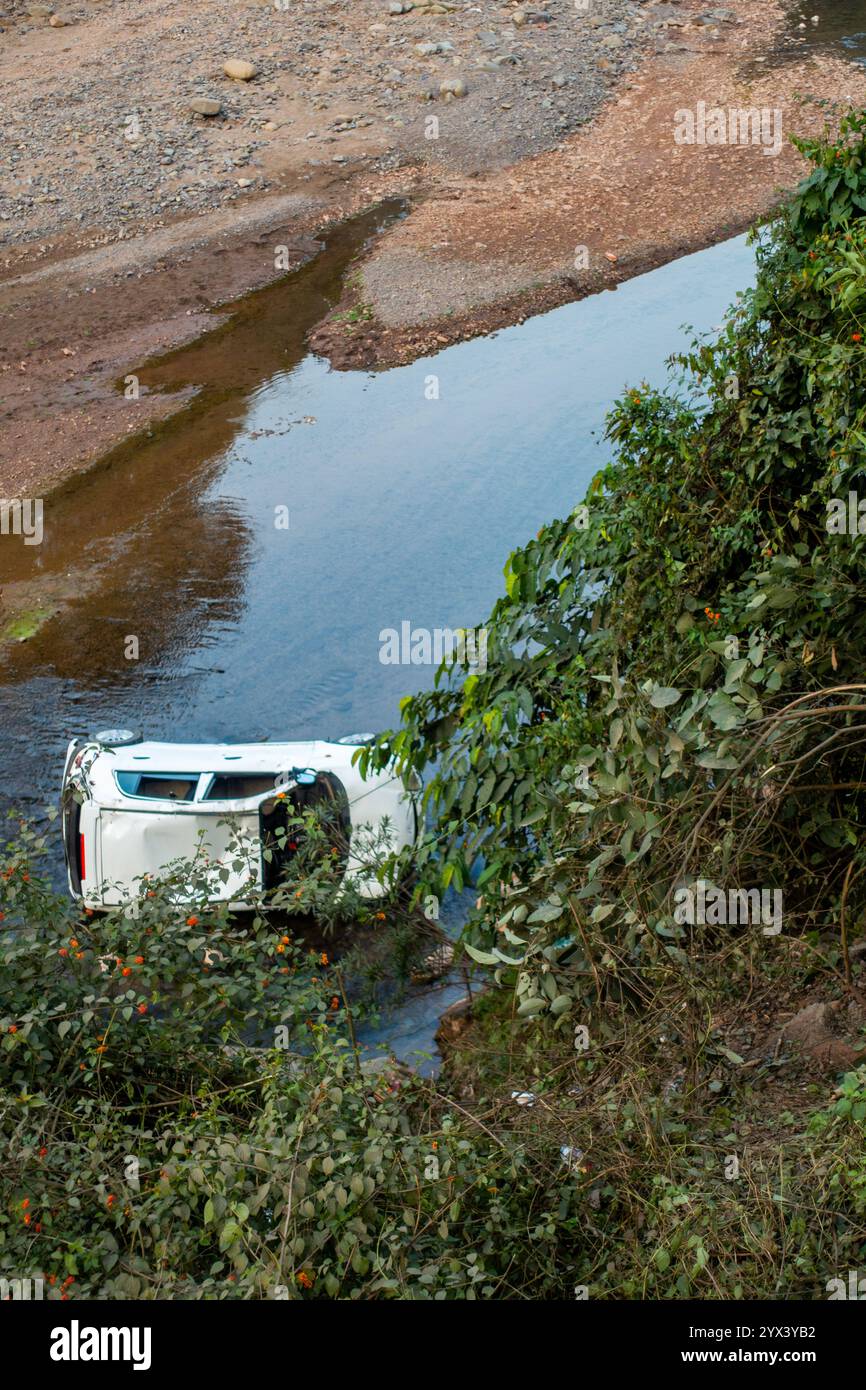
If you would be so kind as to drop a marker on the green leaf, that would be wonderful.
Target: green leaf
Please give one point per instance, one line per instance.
(663, 696)
(483, 957)
(723, 712)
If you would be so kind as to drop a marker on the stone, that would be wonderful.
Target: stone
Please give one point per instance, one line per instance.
(239, 70)
(558, 80)
(57, 21)
(453, 87)
(205, 106)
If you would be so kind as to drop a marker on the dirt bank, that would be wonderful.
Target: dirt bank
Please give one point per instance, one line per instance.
(611, 201)
(128, 218)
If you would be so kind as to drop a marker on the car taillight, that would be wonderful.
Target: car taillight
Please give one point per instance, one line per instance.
(81, 870)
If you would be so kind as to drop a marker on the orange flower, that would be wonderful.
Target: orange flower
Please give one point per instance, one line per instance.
(139, 960)
(304, 1280)
(335, 1003)
(13, 1027)
(25, 1204)
(380, 916)
(110, 1200)
(73, 941)
(42, 1152)
(142, 1008)
(127, 970)
(27, 1219)
(192, 921)
(88, 912)
(286, 940)
(323, 958)
(63, 951)
(855, 337)
(102, 1048)
(280, 949)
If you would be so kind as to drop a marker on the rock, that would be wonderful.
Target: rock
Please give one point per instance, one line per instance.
(453, 87)
(454, 1021)
(558, 80)
(205, 106)
(816, 1030)
(239, 70)
(518, 18)
(57, 21)
(434, 966)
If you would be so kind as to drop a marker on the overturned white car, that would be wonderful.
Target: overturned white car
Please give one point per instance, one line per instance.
(133, 809)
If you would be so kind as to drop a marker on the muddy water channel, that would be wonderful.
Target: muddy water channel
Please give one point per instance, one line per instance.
(404, 491)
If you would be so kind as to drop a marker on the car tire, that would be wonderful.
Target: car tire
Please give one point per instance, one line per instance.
(116, 738)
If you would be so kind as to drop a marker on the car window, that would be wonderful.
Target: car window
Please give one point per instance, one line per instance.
(158, 786)
(236, 787)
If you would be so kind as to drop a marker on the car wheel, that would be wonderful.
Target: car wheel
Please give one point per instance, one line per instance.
(116, 738)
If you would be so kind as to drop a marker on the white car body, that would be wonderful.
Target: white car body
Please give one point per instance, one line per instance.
(133, 810)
